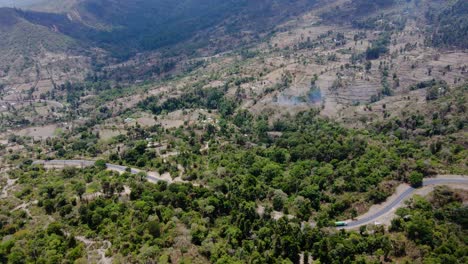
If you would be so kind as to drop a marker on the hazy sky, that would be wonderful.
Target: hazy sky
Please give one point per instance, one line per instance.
(17, 3)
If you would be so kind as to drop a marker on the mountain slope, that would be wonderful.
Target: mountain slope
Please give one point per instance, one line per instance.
(41, 5)
(126, 27)
(18, 3)
(450, 25)
(20, 37)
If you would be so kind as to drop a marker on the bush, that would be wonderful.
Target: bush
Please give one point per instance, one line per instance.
(100, 164)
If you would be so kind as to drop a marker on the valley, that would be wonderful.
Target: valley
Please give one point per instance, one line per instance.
(233, 131)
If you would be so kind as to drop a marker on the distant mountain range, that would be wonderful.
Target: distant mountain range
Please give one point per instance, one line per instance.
(17, 3)
(122, 29)
(126, 27)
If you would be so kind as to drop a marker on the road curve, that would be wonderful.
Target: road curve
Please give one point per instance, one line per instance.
(151, 176)
(398, 201)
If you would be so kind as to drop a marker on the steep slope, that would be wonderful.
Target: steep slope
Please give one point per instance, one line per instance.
(33, 53)
(126, 27)
(148, 25)
(351, 10)
(21, 38)
(449, 25)
(445, 22)
(18, 3)
(41, 5)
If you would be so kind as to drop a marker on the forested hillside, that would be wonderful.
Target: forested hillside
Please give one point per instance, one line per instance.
(231, 132)
(317, 172)
(125, 27)
(449, 25)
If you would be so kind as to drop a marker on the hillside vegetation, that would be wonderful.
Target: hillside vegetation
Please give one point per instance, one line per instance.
(449, 25)
(127, 27)
(316, 172)
(229, 132)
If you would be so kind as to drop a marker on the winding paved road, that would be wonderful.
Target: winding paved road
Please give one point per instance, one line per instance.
(397, 202)
(388, 206)
(151, 176)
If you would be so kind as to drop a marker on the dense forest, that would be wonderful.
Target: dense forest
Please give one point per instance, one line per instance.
(224, 228)
(449, 25)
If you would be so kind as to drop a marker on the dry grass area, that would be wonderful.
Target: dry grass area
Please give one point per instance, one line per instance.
(183, 249)
(39, 132)
(280, 58)
(116, 126)
(43, 69)
(108, 133)
(392, 106)
(277, 59)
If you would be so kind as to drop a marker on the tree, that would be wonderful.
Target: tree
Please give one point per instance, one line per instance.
(368, 65)
(433, 93)
(416, 179)
(80, 189)
(198, 233)
(154, 228)
(279, 198)
(303, 208)
(100, 165)
(312, 192)
(420, 230)
(271, 171)
(354, 213)
(16, 256)
(69, 172)
(49, 206)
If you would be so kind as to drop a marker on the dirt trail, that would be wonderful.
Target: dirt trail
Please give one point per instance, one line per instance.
(24, 207)
(97, 247)
(10, 183)
(89, 247)
(96, 250)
